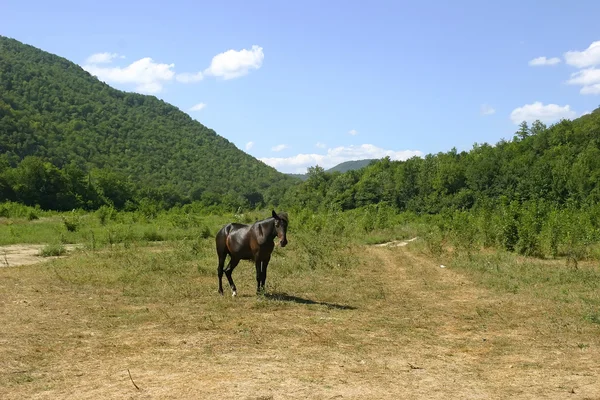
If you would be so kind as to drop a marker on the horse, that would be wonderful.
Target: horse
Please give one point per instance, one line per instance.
(250, 242)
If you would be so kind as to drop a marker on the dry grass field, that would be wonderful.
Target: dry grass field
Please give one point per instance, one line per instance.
(139, 322)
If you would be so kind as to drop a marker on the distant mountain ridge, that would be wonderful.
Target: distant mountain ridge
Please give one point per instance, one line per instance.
(342, 167)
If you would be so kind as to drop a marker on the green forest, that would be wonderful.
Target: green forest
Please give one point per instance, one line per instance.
(69, 141)
(559, 165)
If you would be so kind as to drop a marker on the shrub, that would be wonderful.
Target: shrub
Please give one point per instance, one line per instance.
(52, 250)
(72, 224)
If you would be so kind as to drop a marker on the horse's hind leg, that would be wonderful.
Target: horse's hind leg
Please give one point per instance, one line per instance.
(222, 257)
(230, 267)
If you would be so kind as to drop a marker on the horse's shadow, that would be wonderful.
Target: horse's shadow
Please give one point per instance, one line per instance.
(300, 300)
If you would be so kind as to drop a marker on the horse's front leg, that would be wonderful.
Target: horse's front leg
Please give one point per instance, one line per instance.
(258, 264)
(263, 279)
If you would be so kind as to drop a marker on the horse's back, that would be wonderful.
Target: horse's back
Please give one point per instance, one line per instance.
(221, 237)
(234, 238)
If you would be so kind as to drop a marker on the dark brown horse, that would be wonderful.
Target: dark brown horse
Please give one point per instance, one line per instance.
(250, 242)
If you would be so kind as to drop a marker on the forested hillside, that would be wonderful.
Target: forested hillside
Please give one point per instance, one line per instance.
(560, 165)
(68, 140)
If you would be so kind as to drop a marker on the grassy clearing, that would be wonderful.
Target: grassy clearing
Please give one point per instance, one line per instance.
(341, 318)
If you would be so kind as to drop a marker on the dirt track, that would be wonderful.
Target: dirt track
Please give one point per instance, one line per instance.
(405, 328)
(25, 254)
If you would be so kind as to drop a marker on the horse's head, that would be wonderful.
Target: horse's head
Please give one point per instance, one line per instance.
(281, 224)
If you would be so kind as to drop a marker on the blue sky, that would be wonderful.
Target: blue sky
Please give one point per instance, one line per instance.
(297, 84)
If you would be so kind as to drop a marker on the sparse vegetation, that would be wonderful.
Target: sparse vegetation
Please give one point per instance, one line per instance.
(53, 250)
(337, 310)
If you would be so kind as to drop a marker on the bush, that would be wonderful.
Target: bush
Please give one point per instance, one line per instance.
(52, 250)
(464, 232)
(106, 213)
(551, 233)
(72, 224)
(205, 232)
(152, 235)
(529, 227)
(509, 227)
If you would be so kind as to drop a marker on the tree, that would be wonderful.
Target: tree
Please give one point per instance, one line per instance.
(523, 131)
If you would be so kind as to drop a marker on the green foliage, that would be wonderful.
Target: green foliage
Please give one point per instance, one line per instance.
(528, 230)
(105, 213)
(464, 232)
(11, 209)
(69, 141)
(510, 186)
(72, 224)
(205, 232)
(52, 250)
(509, 235)
(152, 235)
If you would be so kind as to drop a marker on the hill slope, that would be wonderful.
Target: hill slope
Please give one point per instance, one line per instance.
(351, 165)
(342, 167)
(53, 109)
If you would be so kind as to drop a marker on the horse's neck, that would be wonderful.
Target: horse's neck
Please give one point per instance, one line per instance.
(267, 228)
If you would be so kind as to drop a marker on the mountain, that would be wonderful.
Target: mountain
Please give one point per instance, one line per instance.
(53, 109)
(351, 165)
(343, 167)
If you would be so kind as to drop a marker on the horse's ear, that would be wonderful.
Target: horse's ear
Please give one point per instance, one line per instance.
(274, 214)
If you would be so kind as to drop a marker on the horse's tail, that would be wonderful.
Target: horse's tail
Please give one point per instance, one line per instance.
(221, 239)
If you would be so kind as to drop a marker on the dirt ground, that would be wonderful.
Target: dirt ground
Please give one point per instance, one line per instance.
(412, 330)
(25, 254)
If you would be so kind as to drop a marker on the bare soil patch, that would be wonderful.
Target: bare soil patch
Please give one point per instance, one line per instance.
(26, 254)
(396, 243)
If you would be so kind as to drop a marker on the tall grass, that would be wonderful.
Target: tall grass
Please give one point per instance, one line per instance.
(502, 248)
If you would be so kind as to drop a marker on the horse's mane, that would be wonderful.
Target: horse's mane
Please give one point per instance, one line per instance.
(284, 216)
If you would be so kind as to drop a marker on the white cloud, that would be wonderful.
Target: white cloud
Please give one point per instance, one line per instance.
(147, 75)
(187, 77)
(279, 147)
(320, 145)
(486, 110)
(102, 58)
(586, 58)
(585, 113)
(353, 132)
(591, 89)
(544, 61)
(299, 163)
(545, 113)
(585, 77)
(588, 78)
(233, 64)
(249, 145)
(198, 107)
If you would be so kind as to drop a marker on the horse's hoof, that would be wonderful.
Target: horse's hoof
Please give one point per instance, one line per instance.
(234, 294)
